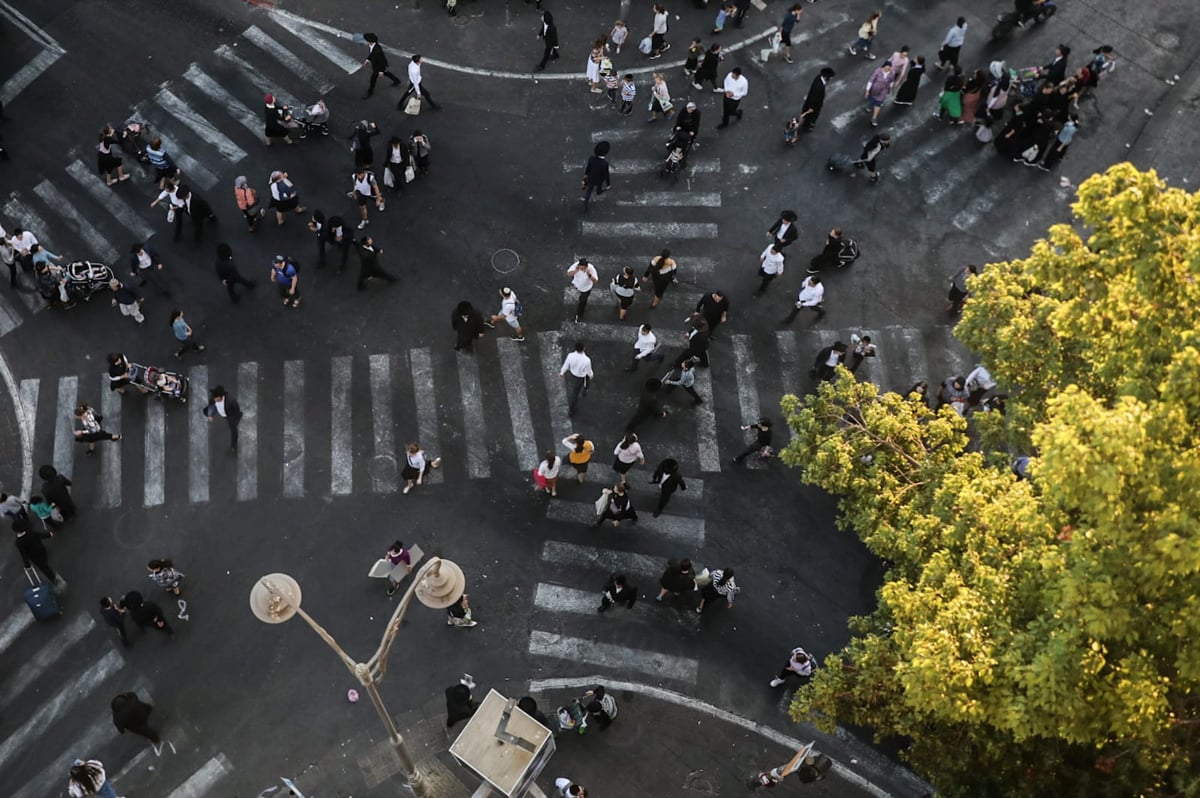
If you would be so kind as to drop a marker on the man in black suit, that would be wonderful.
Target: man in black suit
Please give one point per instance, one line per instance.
(714, 307)
(114, 618)
(669, 480)
(368, 261)
(784, 230)
(596, 177)
(377, 61)
(549, 37)
(197, 209)
(815, 99)
(223, 405)
(1056, 71)
(697, 341)
(228, 272)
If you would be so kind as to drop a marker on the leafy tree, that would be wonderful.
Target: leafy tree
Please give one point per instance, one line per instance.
(1037, 637)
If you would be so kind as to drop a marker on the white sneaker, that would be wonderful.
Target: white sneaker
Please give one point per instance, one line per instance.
(776, 682)
(382, 206)
(363, 224)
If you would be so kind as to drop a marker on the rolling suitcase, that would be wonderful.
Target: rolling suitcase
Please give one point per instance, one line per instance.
(41, 598)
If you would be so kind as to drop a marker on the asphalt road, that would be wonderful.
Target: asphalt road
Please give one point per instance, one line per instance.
(335, 389)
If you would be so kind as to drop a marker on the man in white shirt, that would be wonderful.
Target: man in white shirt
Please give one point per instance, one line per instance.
(812, 295)
(979, 382)
(583, 276)
(736, 88)
(510, 312)
(952, 44)
(565, 788)
(770, 266)
(22, 242)
(415, 85)
(644, 348)
(577, 371)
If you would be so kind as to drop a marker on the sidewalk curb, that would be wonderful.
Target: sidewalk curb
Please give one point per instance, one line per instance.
(687, 702)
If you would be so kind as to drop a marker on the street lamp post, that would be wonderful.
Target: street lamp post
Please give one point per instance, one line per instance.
(275, 598)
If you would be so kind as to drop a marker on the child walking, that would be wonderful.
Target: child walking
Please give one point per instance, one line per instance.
(628, 95)
(184, 335)
(693, 58)
(618, 34)
(611, 83)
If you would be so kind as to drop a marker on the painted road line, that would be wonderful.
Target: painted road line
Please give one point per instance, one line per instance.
(241, 112)
(65, 696)
(96, 241)
(967, 219)
(110, 200)
(578, 651)
(872, 369)
(383, 474)
(16, 212)
(911, 121)
(559, 599)
(199, 125)
(918, 365)
(29, 393)
(255, 76)
(27, 74)
(50, 780)
(609, 561)
(36, 665)
(341, 466)
(293, 429)
(10, 319)
(154, 483)
(662, 231)
(194, 172)
(421, 366)
(620, 134)
(676, 301)
(247, 450)
(927, 153)
(110, 456)
(517, 394)
(674, 199)
(198, 444)
(16, 623)
(550, 346)
(64, 424)
(600, 473)
(646, 166)
(478, 450)
(335, 55)
(690, 266)
(291, 62)
(677, 528)
(748, 402)
(789, 361)
(963, 175)
(201, 783)
(705, 420)
(27, 26)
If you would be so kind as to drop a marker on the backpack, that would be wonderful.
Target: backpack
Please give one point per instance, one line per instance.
(518, 308)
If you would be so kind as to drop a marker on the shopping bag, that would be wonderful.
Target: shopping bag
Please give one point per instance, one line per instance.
(383, 566)
(602, 502)
(413, 106)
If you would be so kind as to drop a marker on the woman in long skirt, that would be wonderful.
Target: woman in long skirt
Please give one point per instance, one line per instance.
(950, 102)
(907, 93)
(660, 272)
(972, 94)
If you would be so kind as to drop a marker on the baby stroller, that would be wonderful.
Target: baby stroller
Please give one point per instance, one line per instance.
(85, 278)
(160, 382)
(132, 136)
(313, 119)
(678, 148)
(1024, 82)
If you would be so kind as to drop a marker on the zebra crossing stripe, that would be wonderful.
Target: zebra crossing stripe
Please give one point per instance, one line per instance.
(28, 73)
(705, 421)
(609, 561)
(16, 623)
(691, 267)
(747, 373)
(110, 456)
(577, 650)
(95, 240)
(200, 783)
(64, 698)
(383, 478)
(30, 220)
(9, 318)
(662, 231)
(551, 351)
(26, 418)
(928, 153)
(247, 455)
(199, 125)
(676, 528)
(472, 403)
(601, 473)
(293, 429)
(421, 366)
(789, 361)
(194, 172)
(198, 444)
(341, 455)
(110, 200)
(674, 199)
(635, 166)
(617, 134)
(918, 366)
(256, 77)
(64, 421)
(573, 601)
(293, 63)
(517, 394)
(304, 33)
(35, 666)
(232, 105)
(154, 488)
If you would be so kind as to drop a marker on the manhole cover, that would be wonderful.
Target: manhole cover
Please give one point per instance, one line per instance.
(505, 261)
(1168, 41)
(382, 468)
(131, 534)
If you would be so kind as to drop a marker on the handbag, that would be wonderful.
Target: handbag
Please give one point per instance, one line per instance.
(413, 106)
(389, 180)
(170, 215)
(602, 502)
(983, 134)
(383, 566)
(703, 579)
(1030, 153)
(410, 174)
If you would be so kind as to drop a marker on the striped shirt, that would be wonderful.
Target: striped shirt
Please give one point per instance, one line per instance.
(728, 589)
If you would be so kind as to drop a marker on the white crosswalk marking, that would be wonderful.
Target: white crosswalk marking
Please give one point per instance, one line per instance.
(342, 456)
(36, 665)
(293, 63)
(55, 707)
(601, 473)
(618, 134)
(789, 361)
(705, 421)
(674, 199)
(517, 394)
(198, 444)
(16, 623)
(383, 474)
(154, 486)
(110, 456)
(200, 783)
(198, 124)
(421, 366)
(64, 421)
(232, 105)
(478, 449)
(9, 318)
(28, 73)
(95, 240)
(556, 395)
(110, 200)
(747, 374)
(928, 153)
(255, 76)
(309, 36)
(557, 598)
(643, 166)
(918, 366)
(676, 528)
(663, 231)
(247, 452)
(963, 175)
(872, 368)
(195, 174)
(609, 561)
(578, 651)
(29, 392)
(293, 429)
(691, 267)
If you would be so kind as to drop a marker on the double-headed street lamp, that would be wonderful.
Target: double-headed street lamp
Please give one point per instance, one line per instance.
(275, 598)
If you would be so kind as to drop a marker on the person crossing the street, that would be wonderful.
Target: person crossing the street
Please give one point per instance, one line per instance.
(377, 62)
(577, 372)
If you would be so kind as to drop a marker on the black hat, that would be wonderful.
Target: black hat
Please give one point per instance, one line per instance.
(370, 37)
